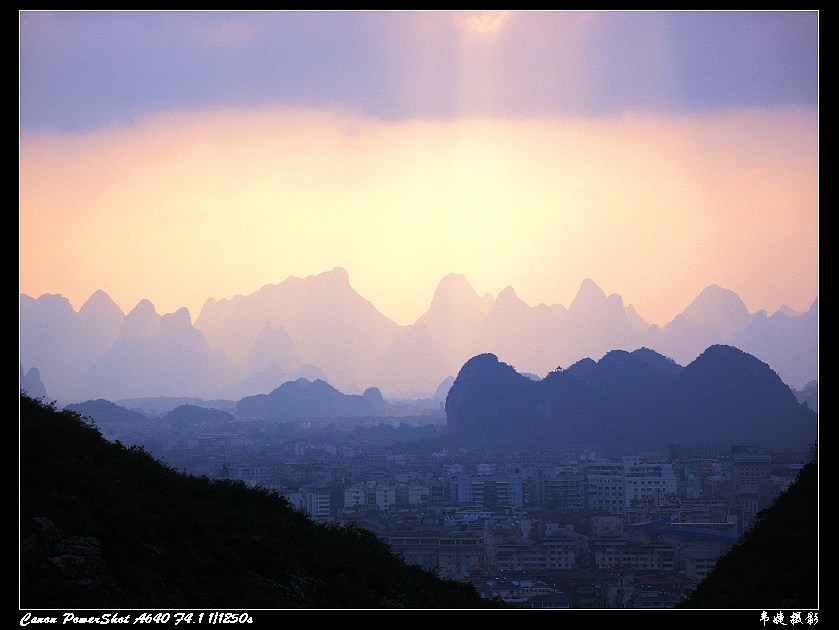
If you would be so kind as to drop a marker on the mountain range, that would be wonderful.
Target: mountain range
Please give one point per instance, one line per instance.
(320, 328)
(629, 402)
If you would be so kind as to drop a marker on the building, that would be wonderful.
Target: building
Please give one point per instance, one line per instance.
(318, 502)
(384, 497)
(355, 496)
(648, 482)
(651, 599)
(623, 550)
(489, 490)
(750, 470)
(453, 551)
(613, 485)
(564, 487)
(556, 552)
(565, 548)
(550, 600)
(605, 487)
(412, 494)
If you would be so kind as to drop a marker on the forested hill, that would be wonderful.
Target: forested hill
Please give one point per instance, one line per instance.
(104, 525)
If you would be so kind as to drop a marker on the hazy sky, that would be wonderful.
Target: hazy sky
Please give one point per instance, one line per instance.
(177, 156)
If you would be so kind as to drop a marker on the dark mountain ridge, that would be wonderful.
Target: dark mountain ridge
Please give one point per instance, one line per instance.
(629, 402)
(106, 526)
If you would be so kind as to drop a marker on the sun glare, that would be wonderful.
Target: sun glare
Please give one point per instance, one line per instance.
(487, 23)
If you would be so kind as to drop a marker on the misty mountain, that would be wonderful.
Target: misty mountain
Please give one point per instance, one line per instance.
(453, 319)
(332, 326)
(719, 309)
(320, 328)
(267, 379)
(713, 317)
(31, 383)
(273, 348)
(105, 526)
(158, 355)
(412, 365)
(786, 341)
(271, 361)
(101, 411)
(157, 406)
(64, 344)
(512, 330)
(312, 399)
(629, 402)
(193, 415)
(118, 422)
(809, 395)
(442, 390)
(599, 323)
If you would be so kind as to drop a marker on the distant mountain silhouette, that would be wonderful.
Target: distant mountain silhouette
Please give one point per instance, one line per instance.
(159, 355)
(453, 319)
(104, 526)
(30, 382)
(312, 399)
(320, 328)
(719, 309)
(271, 362)
(297, 400)
(105, 410)
(786, 341)
(629, 402)
(809, 395)
(64, 344)
(412, 365)
(189, 415)
(442, 390)
(156, 406)
(331, 325)
(512, 329)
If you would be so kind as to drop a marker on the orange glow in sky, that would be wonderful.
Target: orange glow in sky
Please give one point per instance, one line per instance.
(184, 206)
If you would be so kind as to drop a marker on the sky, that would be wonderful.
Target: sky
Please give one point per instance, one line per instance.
(177, 156)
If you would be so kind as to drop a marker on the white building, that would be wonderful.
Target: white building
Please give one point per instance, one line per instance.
(616, 484)
(318, 503)
(489, 490)
(606, 486)
(648, 482)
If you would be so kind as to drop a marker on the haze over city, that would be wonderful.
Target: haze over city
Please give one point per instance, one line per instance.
(418, 309)
(179, 156)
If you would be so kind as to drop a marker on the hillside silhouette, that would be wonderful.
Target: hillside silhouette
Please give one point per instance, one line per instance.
(105, 525)
(776, 563)
(311, 399)
(629, 402)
